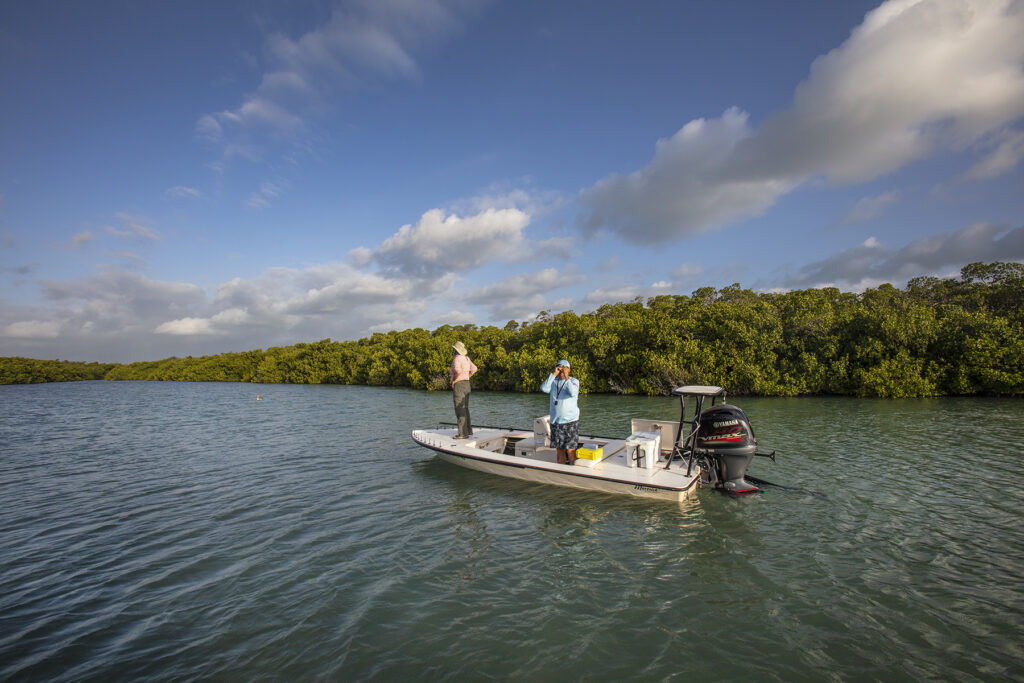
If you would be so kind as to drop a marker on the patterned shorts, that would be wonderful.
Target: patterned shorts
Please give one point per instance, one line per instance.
(565, 435)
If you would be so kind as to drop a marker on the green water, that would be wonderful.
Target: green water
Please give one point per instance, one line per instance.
(187, 531)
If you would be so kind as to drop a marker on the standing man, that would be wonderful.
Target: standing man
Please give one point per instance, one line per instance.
(462, 369)
(562, 391)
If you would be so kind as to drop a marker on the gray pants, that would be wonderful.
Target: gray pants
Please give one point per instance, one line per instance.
(460, 393)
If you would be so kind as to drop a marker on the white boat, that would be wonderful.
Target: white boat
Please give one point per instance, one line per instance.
(658, 459)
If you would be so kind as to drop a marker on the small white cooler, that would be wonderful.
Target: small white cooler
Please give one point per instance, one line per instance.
(642, 450)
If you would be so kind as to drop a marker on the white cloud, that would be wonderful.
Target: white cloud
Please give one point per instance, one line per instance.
(686, 189)
(1004, 158)
(268, 192)
(527, 284)
(106, 316)
(360, 257)
(182, 192)
(872, 262)
(116, 296)
(914, 78)
(133, 229)
(218, 323)
(335, 298)
(32, 329)
(520, 295)
(186, 326)
(870, 207)
(507, 196)
(441, 243)
(362, 40)
(121, 315)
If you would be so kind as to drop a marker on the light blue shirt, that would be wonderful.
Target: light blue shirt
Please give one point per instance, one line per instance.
(562, 395)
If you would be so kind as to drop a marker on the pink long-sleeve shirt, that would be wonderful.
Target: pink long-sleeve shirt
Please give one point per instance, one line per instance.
(462, 368)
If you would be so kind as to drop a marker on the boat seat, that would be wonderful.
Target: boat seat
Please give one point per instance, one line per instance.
(526, 447)
(542, 430)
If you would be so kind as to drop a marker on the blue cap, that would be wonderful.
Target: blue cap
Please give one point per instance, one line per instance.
(563, 362)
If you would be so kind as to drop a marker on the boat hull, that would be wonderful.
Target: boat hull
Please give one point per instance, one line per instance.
(611, 479)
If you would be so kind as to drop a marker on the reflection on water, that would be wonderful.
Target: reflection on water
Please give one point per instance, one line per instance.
(190, 531)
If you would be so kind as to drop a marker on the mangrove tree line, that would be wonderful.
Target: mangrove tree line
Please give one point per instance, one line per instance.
(937, 336)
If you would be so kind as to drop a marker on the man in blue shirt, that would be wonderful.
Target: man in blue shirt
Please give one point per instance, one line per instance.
(562, 391)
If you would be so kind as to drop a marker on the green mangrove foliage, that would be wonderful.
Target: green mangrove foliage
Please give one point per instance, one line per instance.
(32, 371)
(957, 336)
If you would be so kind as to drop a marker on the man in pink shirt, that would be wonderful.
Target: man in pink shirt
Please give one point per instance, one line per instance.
(462, 369)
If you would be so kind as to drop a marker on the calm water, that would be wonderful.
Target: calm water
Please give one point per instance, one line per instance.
(183, 531)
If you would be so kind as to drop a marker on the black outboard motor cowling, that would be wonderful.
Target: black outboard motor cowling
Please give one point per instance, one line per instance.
(725, 435)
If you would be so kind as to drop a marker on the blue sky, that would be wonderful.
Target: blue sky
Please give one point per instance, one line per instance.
(188, 178)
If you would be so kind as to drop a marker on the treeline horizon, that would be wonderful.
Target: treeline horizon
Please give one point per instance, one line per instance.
(936, 337)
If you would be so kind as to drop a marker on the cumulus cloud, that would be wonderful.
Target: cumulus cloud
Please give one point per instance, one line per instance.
(686, 189)
(105, 316)
(442, 243)
(219, 323)
(870, 207)
(121, 315)
(914, 78)
(186, 326)
(332, 298)
(115, 296)
(872, 262)
(360, 257)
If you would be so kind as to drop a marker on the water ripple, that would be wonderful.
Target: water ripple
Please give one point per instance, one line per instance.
(182, 531)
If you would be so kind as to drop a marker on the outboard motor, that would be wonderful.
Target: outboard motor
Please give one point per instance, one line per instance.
(726, 437)
(720, 440)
